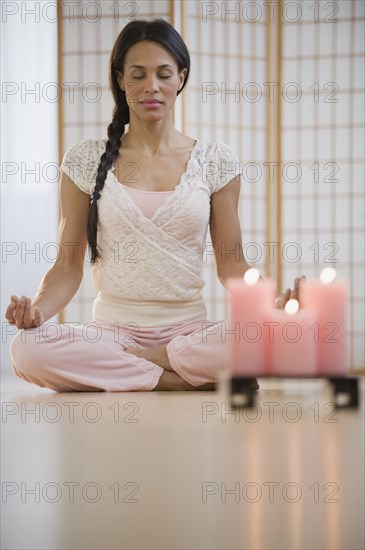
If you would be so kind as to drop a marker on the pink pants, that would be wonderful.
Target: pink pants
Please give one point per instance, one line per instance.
(91, 357)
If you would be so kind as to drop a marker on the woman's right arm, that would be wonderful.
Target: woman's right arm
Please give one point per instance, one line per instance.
(62, 281)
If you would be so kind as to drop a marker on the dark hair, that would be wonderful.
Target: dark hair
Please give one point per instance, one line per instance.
(156, 30)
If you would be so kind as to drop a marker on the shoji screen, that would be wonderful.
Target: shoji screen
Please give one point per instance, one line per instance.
(225, 101)
(322, 136)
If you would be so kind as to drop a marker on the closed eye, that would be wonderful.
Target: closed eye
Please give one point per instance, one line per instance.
(137, 77)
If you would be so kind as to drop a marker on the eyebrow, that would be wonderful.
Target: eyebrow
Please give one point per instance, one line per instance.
(142, 67)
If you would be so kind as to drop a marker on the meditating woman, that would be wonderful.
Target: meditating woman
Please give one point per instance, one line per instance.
(141, 201)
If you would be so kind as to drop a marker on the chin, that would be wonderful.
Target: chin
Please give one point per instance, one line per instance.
(154, 115)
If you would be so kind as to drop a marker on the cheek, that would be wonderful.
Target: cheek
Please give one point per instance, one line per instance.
(132, 90)
(171, 89)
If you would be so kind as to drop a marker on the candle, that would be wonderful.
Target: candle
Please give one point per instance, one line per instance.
(250, 300)
(291, 347)
(327, 298)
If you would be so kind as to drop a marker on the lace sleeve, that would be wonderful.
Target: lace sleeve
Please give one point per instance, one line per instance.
(225, 166)
(80, 164)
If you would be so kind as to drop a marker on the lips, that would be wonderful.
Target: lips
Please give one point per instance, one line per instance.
(151, 102)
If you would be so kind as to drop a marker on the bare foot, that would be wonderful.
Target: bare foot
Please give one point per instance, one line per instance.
(155, 355)
(170, 381)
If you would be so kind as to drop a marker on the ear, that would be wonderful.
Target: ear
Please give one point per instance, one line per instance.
(182, 77)
(120, 80)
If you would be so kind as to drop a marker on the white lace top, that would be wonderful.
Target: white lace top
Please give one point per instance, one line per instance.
(158, 260)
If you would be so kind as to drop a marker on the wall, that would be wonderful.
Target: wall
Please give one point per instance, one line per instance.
(29, 153)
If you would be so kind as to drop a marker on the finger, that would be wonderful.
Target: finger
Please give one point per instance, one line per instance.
(27, 318)
(284, 295)
(9, 313)
(282, 299)
(19, 312)
(37, 317)
(278, 301)
(285, 298)
(302, 281)
(295, 292)
(293, 295)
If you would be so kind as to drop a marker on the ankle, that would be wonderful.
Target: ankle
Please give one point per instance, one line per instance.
(162, 359)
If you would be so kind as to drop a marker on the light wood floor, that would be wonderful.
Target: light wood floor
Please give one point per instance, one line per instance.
(178, 471)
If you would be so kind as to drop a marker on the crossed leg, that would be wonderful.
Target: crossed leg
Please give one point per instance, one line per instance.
(169, 379)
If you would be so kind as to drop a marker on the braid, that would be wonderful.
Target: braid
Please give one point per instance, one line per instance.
(115, 132)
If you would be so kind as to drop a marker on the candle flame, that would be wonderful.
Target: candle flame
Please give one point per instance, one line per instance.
(328, 275)
(291, 306)
(251, 276)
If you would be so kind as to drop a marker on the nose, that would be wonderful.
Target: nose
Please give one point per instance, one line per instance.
(151, 84)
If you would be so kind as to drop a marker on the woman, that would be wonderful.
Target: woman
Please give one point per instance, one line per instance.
(153, 192)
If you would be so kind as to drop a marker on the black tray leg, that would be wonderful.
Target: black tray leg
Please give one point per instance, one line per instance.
(346, 392)
(242, 392)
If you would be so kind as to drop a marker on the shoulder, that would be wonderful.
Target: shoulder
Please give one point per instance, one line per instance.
(81, 160)
(85, 150)
(219, 150)
(221, 164)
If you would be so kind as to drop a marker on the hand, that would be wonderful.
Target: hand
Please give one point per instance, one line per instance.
(20, 313)
(283, 298)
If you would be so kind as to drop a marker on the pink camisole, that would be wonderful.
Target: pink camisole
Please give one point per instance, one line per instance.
(147, 201)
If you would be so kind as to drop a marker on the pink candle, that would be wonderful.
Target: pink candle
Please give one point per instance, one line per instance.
(327, 298)
(248, 306)
(291, 347)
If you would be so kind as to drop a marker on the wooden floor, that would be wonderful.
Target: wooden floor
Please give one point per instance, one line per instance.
(180, 471)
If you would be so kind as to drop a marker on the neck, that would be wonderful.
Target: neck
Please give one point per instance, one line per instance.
(151, 137)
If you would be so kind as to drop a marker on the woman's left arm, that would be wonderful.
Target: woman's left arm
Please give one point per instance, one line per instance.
(225, 232)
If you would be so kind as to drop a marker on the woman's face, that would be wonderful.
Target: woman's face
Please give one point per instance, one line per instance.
(151, 81)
